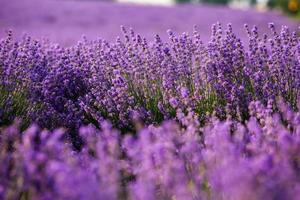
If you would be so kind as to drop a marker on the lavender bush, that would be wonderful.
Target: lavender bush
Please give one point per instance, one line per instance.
(187, 120)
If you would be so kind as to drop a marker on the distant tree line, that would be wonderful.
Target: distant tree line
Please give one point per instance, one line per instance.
(290, 6)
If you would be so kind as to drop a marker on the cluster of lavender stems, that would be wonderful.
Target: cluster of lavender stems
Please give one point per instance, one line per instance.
(176, 119)
(56, 86)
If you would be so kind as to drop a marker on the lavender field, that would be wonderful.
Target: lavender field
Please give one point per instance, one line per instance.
(148, 112)
(65, 21)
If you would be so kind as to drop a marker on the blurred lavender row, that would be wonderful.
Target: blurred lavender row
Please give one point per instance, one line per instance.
(176, 160)
(65, 21)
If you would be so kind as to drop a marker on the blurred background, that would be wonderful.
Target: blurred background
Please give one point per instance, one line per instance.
(65, 21)
(288, 6)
